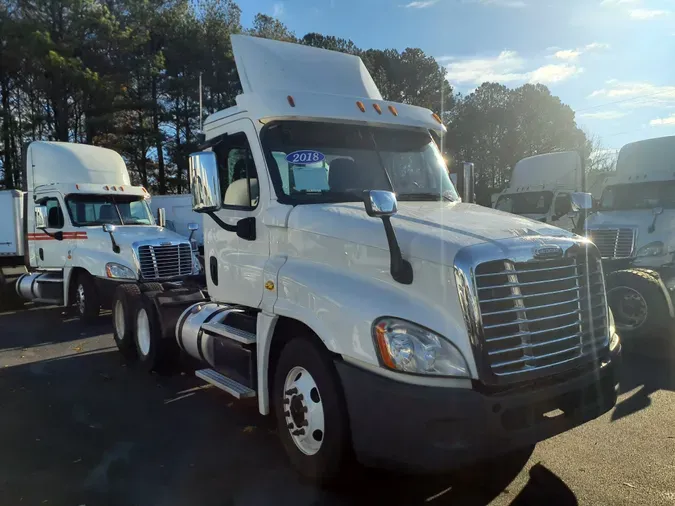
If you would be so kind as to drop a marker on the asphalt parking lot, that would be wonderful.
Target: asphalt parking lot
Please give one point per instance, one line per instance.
(80, 427)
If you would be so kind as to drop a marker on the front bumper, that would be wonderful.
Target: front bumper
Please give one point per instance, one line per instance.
(433, 429)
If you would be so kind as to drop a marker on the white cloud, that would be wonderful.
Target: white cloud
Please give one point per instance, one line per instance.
(573, 54)
(632, 95)
(668, 121)
(617, 2)
(278, 9)
(513, 4)
(507, 67)
(420, 4)
(553, 73)
(567, 54)
(647, 14)
(604, 115)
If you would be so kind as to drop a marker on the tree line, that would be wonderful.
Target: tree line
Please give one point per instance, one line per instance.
(125, 74)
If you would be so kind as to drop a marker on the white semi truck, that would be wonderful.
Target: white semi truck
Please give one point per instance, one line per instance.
(634, 229)
(370, 311)
(546, 188)
(81, 229)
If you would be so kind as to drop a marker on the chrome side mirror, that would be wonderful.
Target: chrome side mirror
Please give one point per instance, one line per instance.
(581, 201)
(657, 210)
(205, 188)
(40, 217)
(193, 227)
(380, 203)
(161, 217)
(109, 228)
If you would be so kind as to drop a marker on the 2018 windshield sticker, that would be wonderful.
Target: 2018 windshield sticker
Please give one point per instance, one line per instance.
(305, 157)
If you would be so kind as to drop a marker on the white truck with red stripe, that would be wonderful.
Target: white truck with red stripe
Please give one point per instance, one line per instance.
(81, 228)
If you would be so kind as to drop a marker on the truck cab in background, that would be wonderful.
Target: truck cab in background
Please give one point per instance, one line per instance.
(85, 229)
(547, 188)
(353, 294)
(634, 229)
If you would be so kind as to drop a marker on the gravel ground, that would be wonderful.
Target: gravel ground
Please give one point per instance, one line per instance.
(80, 427)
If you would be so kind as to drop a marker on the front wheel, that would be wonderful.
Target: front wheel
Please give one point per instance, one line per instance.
(311, 412)
(638, 304)
(125, 301)
(87, 301)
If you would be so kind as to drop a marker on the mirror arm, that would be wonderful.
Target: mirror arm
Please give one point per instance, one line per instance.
(221, 223)
(56, 235)
(115, 246)
(245, 228)
(652, 227)
(401, 270)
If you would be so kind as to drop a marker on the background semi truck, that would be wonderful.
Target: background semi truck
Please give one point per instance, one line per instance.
(543, 187)
(634, 229)
(80, 229)
(371, 312)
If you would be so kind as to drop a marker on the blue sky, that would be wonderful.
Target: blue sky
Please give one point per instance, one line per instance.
(612, 61)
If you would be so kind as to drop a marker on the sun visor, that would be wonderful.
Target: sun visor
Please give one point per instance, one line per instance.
(265, 64)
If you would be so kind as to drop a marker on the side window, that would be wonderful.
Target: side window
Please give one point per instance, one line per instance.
(238, 175)
(563, 204)
(54, 216)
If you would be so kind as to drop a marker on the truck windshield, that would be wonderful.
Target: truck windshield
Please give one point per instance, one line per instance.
(525, 203)
(639, 196)
(313, 162)
(89, 210)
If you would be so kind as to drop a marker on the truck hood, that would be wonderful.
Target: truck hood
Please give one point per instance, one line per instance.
(429, 231)
(129, 234)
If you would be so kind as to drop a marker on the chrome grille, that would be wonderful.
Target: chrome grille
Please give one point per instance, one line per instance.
(538, 315)
(614, 242)
(165, 261)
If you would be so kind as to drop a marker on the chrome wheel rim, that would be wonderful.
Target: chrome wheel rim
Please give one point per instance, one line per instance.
(143, 332)
(303, 411)
(118, 311)
(629, 307)
(81, 300)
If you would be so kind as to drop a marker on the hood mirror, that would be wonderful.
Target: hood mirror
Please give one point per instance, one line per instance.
(582, 201)
(109, 228)
(380, 203)
(657, 210)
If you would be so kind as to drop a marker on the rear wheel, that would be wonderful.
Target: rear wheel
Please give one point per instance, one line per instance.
(87, 300)
(311, 412)
(154, 353)
(125, 301)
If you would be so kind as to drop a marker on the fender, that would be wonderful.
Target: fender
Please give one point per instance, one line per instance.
(340, 307)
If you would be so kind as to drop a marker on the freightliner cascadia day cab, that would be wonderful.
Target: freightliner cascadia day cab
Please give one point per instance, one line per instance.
(547, 188)
(354, 295)
(634, 229)
(84, 229)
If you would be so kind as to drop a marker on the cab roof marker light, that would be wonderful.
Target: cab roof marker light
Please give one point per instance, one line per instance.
(393, 110)
(291, 101)
(106, 188)
(377, 108)
(437, 118)
(360, 105)
(121, 188)
(114, 188)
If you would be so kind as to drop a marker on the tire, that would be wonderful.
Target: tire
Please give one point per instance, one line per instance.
(87, 299)
(151, 287)
(125, 301)
(153, 352)
(322, 456)
(638, 303)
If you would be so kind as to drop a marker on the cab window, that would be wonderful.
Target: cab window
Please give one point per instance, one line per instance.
(238, 175)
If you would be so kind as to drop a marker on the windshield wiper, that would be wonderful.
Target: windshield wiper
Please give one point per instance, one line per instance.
(424, 196)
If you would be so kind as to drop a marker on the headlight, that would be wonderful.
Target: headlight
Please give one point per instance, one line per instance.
(613, 336)
(406, 347)
(118, 271)
(653, 249)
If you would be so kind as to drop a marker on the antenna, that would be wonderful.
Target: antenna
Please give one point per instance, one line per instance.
(201, 115)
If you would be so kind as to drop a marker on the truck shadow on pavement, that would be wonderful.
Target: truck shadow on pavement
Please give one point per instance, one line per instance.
(39, 326)
(644, 372)
(87, 428)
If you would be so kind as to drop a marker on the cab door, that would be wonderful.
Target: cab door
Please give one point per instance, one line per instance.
(50, 246)
(234, 261)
